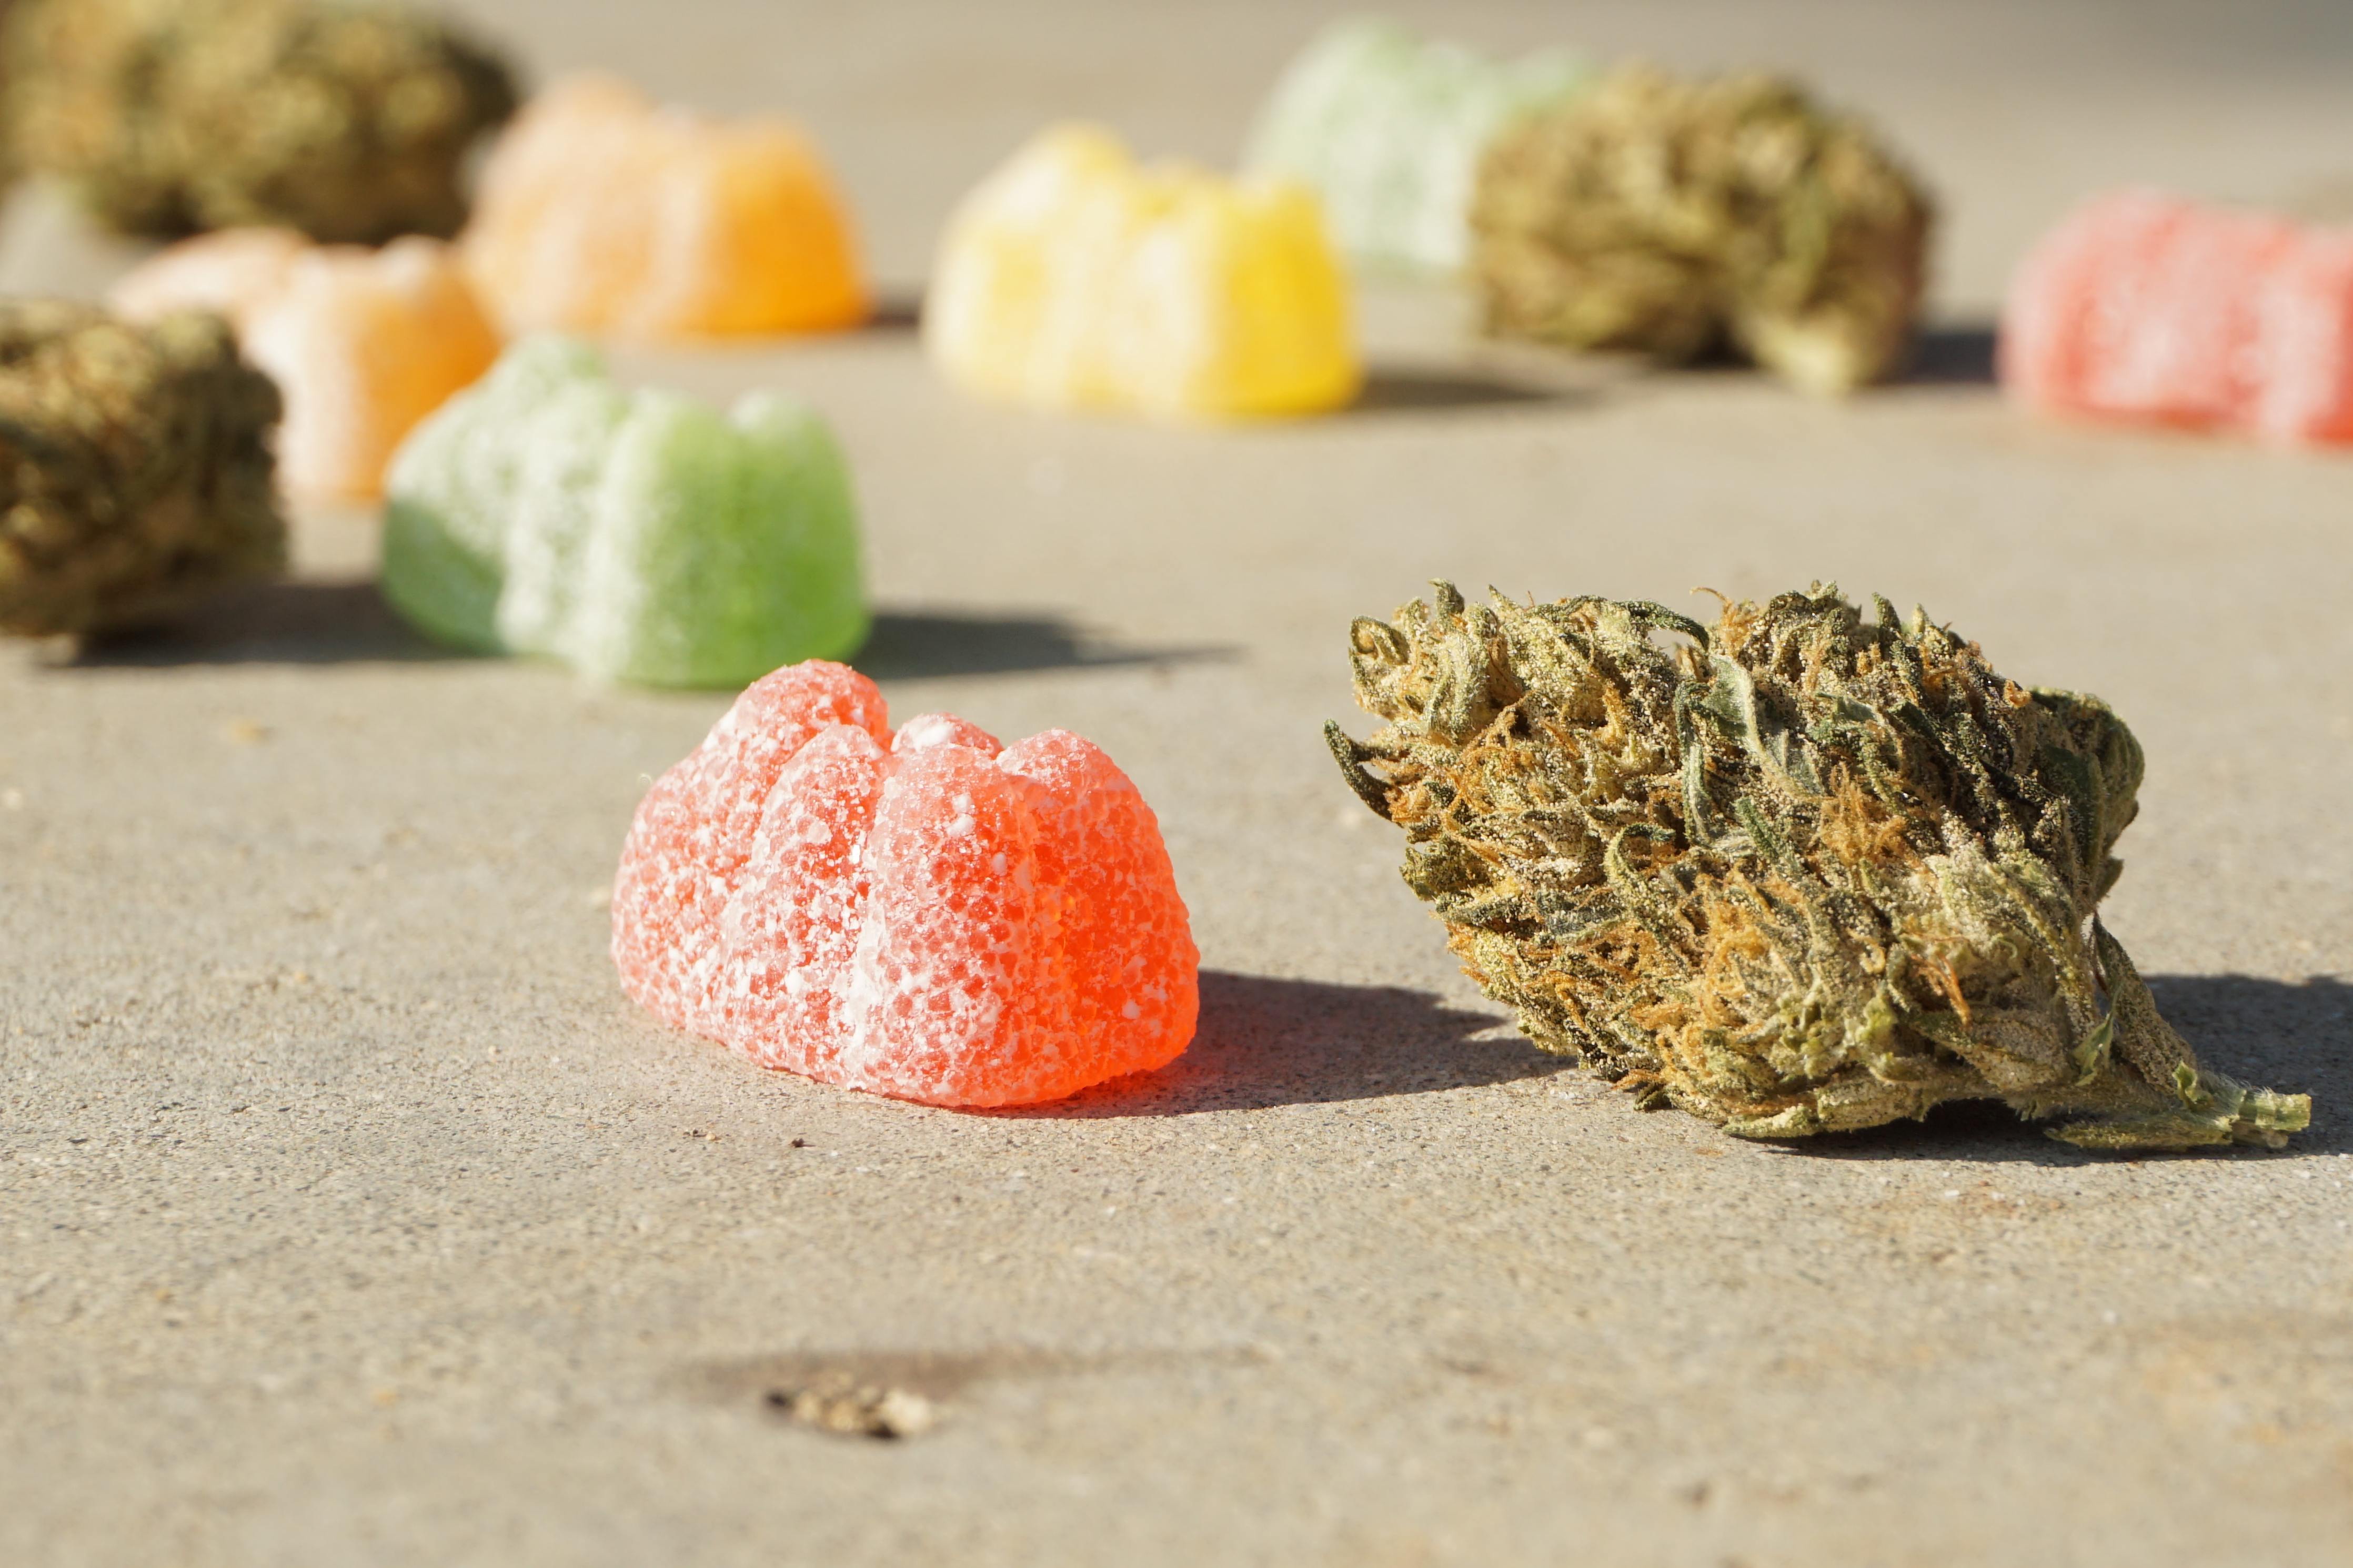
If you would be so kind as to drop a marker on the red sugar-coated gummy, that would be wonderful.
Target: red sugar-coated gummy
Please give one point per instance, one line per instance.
(2150, 308)
(931, 915)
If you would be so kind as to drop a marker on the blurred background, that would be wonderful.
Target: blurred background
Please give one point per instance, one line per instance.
(2012, 110)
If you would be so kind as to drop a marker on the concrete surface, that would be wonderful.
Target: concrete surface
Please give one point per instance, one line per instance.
(349, 1214)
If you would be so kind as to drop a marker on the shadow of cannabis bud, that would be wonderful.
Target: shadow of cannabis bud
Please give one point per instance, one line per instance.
(1808, 873)
(1667, 217)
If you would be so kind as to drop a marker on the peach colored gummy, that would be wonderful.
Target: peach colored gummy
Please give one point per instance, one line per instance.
(931, 916)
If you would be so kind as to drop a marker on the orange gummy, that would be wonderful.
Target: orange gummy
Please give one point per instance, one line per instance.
(364, 343)
(928, 915)
(601, 211)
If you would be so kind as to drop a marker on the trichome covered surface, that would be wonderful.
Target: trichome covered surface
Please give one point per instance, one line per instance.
(1803, 872)
(346, 118)
(1671, 217)
(135, 471)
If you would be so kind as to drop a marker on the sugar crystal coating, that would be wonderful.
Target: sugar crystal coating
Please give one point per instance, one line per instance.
(1387, 128)
(2141, 306)
(1074, 278)
(363, 344)
(600, 212)
(637, 536)
(929, 916)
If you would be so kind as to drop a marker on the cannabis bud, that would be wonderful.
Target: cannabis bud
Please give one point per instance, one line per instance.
(1671, 216)
(346, 121)
(134, 467)
(1804, 873)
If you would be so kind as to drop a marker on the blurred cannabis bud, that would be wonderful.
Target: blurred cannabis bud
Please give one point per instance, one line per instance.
(1807, 873)
(346, 121)
(134, 467)
(1668, 216)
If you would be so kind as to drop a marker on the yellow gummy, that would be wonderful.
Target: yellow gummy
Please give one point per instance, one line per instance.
(600, 212)
(1074, 278)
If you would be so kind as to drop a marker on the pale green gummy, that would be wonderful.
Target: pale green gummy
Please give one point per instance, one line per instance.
(637, 536)
(1389, 128)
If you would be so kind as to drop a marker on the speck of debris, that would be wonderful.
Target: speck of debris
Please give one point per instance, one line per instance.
(800, 1142)
(856, 1410)
(707, 1137)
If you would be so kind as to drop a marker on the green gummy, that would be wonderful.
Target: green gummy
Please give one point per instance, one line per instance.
(637, 536)
(1389, 128)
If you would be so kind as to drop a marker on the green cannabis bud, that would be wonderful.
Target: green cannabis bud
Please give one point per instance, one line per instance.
(135, 472)
(349, 121)
(1802, 873)
(1678, 217)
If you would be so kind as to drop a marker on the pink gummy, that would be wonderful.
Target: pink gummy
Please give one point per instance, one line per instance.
(2304, 342)
(2064, 295)
(2178, 347)
(2150, 308)
(929, 916)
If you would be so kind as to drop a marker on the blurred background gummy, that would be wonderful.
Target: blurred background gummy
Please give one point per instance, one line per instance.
(637, 536)
(2147, 307)
(1389, 128)
(1072, 278)
(602, 212)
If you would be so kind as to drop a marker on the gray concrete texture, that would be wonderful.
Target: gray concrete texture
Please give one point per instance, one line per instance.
(350, 1214)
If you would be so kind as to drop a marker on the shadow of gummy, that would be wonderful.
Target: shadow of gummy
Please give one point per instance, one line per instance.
(314, 623)
(911, 646)
(1265, 1042)
(2295, 1036)
(279, 622)
(893, 311)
